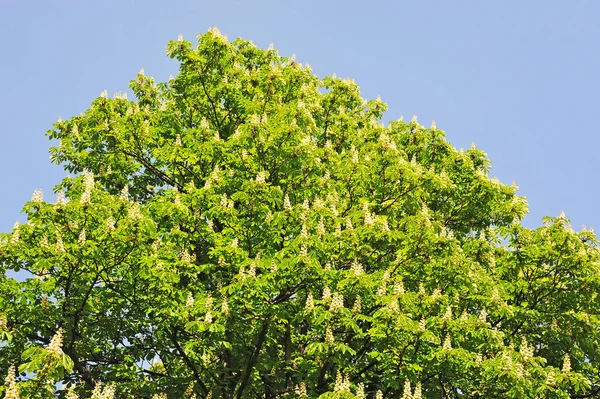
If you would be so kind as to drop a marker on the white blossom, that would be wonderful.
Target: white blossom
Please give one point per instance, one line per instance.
(71, 394)
(349, 224)
(382, 290)
(407, 394)
(393, 306)
(447, 343)
(526, 350)
(301, 390)
(55, 346)
(368, 219)
(326, 294)
(357, 308)
(304, 232)
(124, 196)
(338, 382)
(337, 303)
(60, 247)
(329, 335)
(225, 307)
(354, 155)
(134, 212)
(448, 315)
(321, 227)
(189, 302)
(482, 316)
(82, 237)
(310, 304)
(357, 268)
(303, 251)
(384, 225)
(16, 237)
(261, 177)
(60, 199)
(550, 379)
(38, 196)
(566, 368)
(519, 370)
(399, 288)
(417, 394)
(360, 391)
(252, 270)
(12, 388)
(255, 119)
(495, 295)
(224, 201)
(338, 230)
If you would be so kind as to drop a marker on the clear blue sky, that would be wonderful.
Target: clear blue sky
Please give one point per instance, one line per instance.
(519, 78)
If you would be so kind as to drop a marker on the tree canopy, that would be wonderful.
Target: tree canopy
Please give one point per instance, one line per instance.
(249, 230)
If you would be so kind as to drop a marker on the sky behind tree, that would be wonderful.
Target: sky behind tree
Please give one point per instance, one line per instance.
(520, 79)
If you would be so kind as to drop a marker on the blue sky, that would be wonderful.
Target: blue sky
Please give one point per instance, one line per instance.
(518, 78)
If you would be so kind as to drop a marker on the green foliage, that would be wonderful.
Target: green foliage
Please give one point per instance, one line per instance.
(248, 230)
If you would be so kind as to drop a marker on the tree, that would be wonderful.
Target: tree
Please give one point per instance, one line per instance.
(248, 230)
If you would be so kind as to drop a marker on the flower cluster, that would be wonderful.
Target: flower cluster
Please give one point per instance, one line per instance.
(15, 234)
(82, 238)
(566, 368)
(310, 304)
(337, 303)
(60, 246)
(106, 392)
(357, 308)
(189, 302)
(55, 346)
(357, 268)
(369, 220)
(12, 389)
(88, 185)
(447, 344)
(526, 350)
(301, 390)
(225, 307)
(329, 335)
(342, 383)
(38, 196)
(134, 212)
(61, 199)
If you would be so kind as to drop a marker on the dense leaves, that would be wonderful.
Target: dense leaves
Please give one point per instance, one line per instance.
(248, 230)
